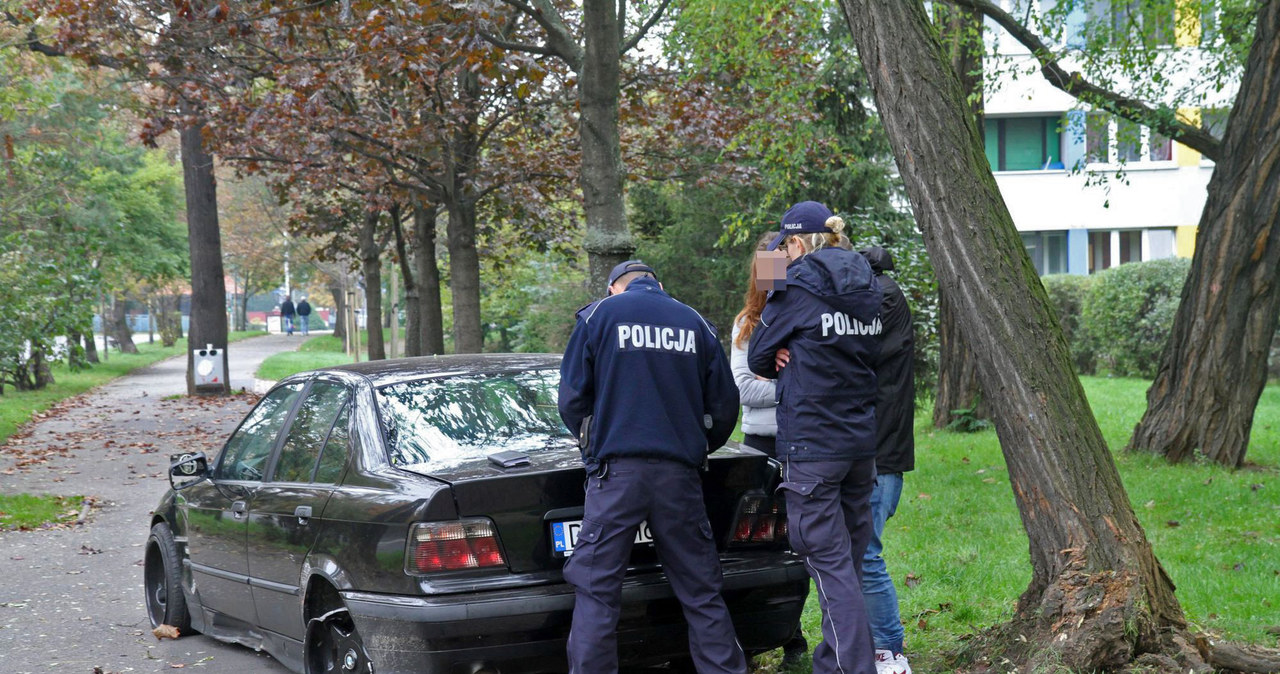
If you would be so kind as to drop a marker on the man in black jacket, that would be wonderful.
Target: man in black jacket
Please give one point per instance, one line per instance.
(647, 387)
(895, 455)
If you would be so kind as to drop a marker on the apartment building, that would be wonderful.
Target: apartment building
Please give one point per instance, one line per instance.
(1134, 194)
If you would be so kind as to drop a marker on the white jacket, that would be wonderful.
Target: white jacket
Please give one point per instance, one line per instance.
(759, 396)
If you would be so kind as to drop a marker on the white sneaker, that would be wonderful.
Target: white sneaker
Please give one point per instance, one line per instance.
(900, 661)
(887, 663)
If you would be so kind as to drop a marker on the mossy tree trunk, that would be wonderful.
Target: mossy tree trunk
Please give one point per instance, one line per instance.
(1214, 367)
(961, 32)
(1098, 598)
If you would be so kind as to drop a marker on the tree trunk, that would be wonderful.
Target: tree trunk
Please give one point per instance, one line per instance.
(430, 308)
(42, 374)
(1214, 366)
(608, 241)
(90, 348)
(464, 278)
(958, 387)
(371, 264)
(961, 32)
(170, 319)
(412, 312)
(208, 290)
(120, 330)
(1098, 597)
(340, 310)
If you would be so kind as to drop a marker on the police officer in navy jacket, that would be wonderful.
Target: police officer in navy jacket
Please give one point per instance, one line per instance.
(647, 387)
(819, 337)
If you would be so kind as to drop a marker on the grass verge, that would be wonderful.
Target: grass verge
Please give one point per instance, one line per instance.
(957, 549)
(316, 352)
(28, 511)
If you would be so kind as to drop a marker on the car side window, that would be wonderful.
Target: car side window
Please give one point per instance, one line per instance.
(307, 434)
(245, 456)
(334, 457)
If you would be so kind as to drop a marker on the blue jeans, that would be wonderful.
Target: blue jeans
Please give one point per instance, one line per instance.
(877, 586)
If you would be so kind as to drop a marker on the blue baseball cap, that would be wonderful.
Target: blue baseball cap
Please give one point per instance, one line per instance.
(628, 267)
(806, 217)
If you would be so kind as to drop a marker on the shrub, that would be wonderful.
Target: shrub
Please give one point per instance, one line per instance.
(1129, 311)
(1067, 295)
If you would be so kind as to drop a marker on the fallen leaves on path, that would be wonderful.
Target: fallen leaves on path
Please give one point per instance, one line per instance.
(165, 632)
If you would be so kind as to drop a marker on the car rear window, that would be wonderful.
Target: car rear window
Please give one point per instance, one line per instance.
(446, 421)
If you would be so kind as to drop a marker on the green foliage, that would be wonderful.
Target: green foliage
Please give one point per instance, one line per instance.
(80, 209)
(531, 301)
(1067, 293)
(1128, 312)
(965, 419)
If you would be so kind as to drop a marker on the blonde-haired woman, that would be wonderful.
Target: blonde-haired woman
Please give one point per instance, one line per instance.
(819, 337)
(759, 396)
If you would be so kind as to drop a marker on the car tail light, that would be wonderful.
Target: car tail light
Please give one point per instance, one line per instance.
(453, 546)
(761, 519)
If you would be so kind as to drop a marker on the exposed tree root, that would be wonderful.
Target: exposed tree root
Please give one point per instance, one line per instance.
(1251, 659)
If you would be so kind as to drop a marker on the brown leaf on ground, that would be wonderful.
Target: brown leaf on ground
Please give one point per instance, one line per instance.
(165, 632)
(911, 580)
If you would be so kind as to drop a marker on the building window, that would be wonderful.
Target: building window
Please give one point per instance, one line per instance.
(1112, 140)
(1130, 246)
(1047, 250)
(1023, 143)
(1136, 22)
(1099, 251)
(1160, 244)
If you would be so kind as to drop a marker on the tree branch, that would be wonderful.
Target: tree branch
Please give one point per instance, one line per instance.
(560, 41)
(629, 43)
(1075, 84)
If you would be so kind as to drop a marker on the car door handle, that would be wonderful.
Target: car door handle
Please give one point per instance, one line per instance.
(303, 513)
(238, 509)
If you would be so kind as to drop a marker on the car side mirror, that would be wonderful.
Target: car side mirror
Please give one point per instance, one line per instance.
(187, 469)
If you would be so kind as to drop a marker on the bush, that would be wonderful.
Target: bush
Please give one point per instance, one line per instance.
(1067, 294)
(1129, 311)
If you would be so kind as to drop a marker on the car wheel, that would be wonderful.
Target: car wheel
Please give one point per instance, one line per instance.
(334, 647)
(162, 579)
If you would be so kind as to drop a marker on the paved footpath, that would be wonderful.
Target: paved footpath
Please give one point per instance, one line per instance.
(71, 598)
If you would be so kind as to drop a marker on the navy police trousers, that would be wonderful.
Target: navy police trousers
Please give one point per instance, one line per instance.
(669, 495)
(829, 526)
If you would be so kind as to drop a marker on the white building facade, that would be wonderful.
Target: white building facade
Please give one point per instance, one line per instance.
(1089, 219)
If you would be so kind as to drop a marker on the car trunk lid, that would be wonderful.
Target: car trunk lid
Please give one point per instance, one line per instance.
(526, 501)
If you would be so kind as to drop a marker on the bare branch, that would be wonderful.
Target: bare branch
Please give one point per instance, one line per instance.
(560, 41)
(1073, 83)
(631, 42)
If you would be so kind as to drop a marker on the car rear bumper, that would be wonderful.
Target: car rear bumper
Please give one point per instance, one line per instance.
(525, 630)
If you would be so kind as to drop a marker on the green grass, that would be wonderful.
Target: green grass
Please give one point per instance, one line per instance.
(958, 536)
(19, 511)
(316, 352)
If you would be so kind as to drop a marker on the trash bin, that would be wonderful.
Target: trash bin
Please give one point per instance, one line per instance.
(208, 366)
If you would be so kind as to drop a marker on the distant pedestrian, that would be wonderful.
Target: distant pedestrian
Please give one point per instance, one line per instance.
(639, 359)
(304, 316)
(895, 455)
(286, 315)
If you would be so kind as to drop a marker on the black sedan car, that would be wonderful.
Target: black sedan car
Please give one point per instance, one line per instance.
(415, 515)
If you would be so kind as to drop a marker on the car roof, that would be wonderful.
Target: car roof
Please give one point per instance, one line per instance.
(383, 372)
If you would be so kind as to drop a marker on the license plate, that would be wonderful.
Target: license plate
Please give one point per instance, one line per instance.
(564, 535)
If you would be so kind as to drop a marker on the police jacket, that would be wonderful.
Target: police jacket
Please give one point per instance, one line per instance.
(644, 375)
(827, 315)
(895, 373)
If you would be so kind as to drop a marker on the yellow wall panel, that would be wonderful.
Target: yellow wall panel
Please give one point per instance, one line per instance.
(1184, 155)
(1187, 23)
(1185, 240)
